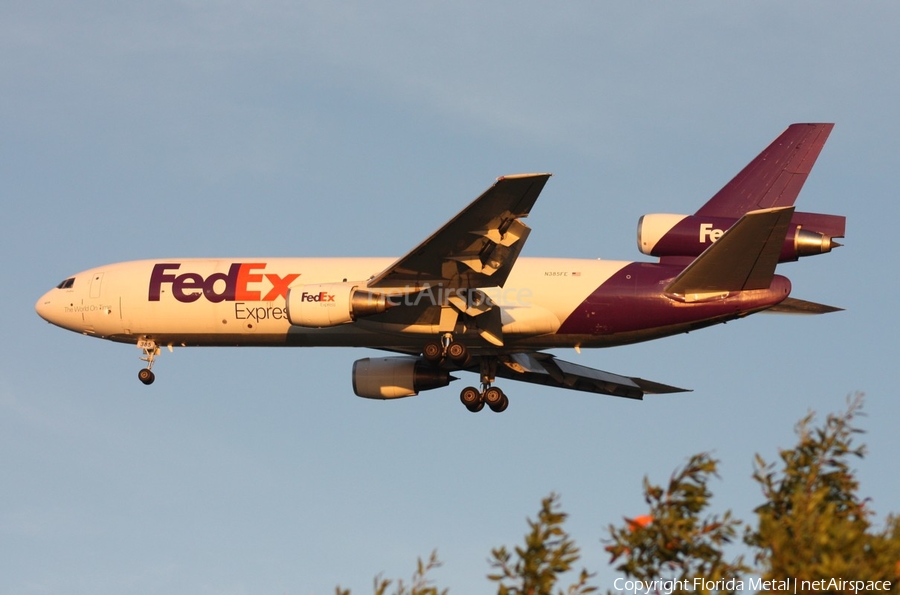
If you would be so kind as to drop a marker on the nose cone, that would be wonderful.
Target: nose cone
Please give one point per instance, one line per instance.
(45, 309)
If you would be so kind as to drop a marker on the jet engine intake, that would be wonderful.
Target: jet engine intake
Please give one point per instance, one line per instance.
(330, 304)
(395, 377)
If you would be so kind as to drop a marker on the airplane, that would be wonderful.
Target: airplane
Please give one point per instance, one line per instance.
(463, 299)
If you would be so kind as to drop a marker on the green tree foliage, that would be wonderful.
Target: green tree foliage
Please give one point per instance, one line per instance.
(813, 525)
(419, 585)
(673, 542)
(548, 552)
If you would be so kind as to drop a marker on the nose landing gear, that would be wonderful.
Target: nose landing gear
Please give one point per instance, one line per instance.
(151, 350)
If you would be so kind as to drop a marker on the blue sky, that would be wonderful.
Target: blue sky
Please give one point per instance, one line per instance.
(152, 130)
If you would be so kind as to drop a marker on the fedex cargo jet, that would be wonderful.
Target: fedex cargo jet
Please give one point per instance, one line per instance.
(463, 300)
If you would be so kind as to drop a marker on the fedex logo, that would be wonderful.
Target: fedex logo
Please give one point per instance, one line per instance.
(242, 282)
(708, 233)
(317, 297)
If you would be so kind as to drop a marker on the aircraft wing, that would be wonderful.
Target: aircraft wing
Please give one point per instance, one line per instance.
(478, 247)
(546, 369)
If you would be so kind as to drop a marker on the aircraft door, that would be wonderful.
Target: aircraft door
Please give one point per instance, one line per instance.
(96, 282)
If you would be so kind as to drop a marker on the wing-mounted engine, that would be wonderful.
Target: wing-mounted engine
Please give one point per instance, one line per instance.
(330, 304)
(396, 377)
(689, 235)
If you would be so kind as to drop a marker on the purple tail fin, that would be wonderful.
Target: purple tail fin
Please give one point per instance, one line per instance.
(775, 177)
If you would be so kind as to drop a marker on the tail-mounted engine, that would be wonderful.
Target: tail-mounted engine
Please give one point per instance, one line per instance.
(689, 235)
(396, 377)
(330, 304)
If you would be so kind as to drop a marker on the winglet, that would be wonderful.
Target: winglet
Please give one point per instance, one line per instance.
(743, 258)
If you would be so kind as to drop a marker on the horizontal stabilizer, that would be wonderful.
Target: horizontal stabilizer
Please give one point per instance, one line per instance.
(744, 258)
(546, 369)
(795, 306)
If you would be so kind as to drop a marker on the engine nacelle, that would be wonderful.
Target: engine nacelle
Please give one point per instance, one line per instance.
(395, 377)
(689, 235)
(330, 304)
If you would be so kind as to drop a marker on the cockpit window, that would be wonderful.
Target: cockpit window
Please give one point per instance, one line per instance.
(67, 284)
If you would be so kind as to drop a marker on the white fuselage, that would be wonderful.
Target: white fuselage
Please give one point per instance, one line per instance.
(242, 301)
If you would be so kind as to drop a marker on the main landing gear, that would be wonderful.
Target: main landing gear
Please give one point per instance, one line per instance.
(435, 351)
(493, 397)
(151, 350)
(474, 399)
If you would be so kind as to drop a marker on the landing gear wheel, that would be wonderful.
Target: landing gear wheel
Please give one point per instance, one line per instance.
(504, 403)
(146, 376)
(493, 397)
(458, 353)
(472, 399)
(151, 350)
(433, 351)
